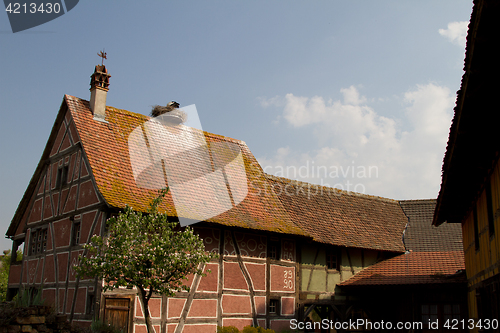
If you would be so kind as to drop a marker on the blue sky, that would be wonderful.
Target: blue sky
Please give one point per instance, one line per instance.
(340, 85)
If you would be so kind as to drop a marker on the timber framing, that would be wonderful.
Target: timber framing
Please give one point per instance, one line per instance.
(282, 254)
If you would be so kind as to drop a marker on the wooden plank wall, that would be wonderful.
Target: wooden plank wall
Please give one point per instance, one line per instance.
(484, 262)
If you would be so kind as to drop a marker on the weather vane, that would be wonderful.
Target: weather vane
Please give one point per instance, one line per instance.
(102, 54)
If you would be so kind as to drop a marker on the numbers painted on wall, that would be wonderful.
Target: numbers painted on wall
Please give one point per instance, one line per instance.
(288, 279)
(283, 278)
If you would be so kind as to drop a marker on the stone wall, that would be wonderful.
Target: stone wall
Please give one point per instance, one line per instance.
(36, 319)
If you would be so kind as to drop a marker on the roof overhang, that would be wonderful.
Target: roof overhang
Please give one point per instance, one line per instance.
(474, 144)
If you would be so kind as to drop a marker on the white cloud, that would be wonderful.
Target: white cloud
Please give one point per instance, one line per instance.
(456, 32)
(273, 101)
(427, 110)
(352, 139)
(351, 96)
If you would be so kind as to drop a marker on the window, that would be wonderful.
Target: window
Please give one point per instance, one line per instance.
(90, 303)
(75, 236)
(332, 258)
(274, 247)
(439, 312)
(64, 179)
(489, 204)
(274, 306)
(476, 229)
(451, 311)
(429, 314)
(38, 241)
(58, 178)
(15, 249)
(11, 293)
(62, 176)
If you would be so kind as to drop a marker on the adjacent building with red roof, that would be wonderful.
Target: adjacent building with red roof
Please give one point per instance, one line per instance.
(427, 282)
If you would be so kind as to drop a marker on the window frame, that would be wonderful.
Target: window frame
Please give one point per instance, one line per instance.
(330, 253)
(274, 303)
(38, 241)
(274, 249)
(62, 176)
(441, 312)
(90, 306)
(76, 232)
(16, 244)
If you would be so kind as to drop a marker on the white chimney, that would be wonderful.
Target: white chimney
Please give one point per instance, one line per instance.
(99, 83)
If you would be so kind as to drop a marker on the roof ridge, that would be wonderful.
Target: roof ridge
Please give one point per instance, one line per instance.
(140, 115)
(418, 200)
(339, 191)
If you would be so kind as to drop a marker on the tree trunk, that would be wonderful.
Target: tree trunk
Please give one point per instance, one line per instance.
(145, 309)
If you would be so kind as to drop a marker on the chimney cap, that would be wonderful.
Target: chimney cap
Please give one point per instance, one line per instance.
(100, 78)
(99, 86)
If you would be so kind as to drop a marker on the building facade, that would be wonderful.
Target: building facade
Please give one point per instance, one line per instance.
(284, 246)
(425, 285)
(470, 188)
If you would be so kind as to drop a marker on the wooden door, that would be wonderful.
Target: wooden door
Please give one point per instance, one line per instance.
(116, 313)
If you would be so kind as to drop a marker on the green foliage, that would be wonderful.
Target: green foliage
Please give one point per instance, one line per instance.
(4, 272)
(144, 250)
(251, 329)
(4, 276)
(29, 297)
(227, 329)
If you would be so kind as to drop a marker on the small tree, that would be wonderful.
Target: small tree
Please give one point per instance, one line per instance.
(4, 272)
(145, 251)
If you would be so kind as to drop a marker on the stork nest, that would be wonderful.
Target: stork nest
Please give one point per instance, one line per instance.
(169, 111)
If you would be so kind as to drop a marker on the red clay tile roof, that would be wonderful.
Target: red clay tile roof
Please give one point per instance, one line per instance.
(422, 236)
(333, 217)
(106, 147)
(413, 268)
(342, 218)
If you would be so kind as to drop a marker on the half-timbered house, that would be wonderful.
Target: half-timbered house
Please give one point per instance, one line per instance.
(470, 187)
(284, 247)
